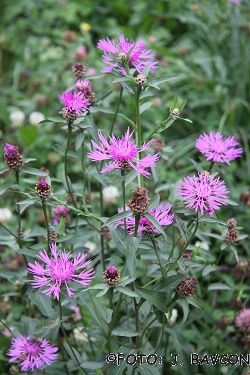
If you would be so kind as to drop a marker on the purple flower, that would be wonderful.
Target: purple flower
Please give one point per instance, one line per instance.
(161, 214)
(32, 352)
(10, 151)
(59, 211)
(74, 102)
(242, 320)
(134, 53)
(204, 193)
(61, 268)
(217, 149)
(122, 152)
(84, 86)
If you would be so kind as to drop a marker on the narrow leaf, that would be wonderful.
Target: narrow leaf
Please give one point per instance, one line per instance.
(154, 297)
(124, 332)
(127, 291)
(120, 216)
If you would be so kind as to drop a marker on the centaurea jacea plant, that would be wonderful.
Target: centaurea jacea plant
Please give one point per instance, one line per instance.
(60, 269)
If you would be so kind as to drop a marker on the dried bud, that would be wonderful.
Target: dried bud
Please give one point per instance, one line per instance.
(232, 223)
(242, 268)
(106, 233)
(122, 57)
(231, 236)
(70, 115)
(79, 70)
(205, 174)
(186, 287)
(12, 157)
(235, 304)
(245, 197)
(70, 36)
(52, 235)
(70, 198)
(43, 189)
(175, 112)
(21, 235)
(111, 276)
(224, 322)
(139, 201)
(158, 144)
(141, 79)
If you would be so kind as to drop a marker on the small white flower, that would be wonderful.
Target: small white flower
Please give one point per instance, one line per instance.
(35, 118)
(16, 117)
(173, 317)
(5, 215)
(82, 337)
(110, 193)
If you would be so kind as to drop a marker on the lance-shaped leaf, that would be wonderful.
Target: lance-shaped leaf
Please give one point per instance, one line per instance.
(120, 216)
(154, 297)
(47, 325)
(155, 223)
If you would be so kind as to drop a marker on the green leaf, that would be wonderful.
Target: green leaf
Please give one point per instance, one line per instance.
(124, 332)
(119, 237)
(34, 171)
(170, 282)
(79, 140)
(185, 308)
(130, 177)
(7, 185)
(155, 223)
(224, 246)
(145, 106)
(103, 292)
(219, 286)
(53, 119)
(124, 79)
(181, 225)
(162, 79)
(132, 246)
(120, 216)
(206, 219)
(146, 70)
(154, 297)
(127, 291)
(182, 105)
(144, 310)
(4, 169)
(43, 303)
(69, 351)
(91, 365)
(48, 324)
(208, 269)
(105, 313)
(232, 203)
(28, 133)
(154, 202)
(196, 302)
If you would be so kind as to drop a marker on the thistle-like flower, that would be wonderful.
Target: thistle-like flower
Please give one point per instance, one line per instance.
(122, 152)
(75, 104)
(85, 86)
(203, 193)
(134, 54)
(61, 268)
(111, 276)
(162, 215)
(242, 320)
(217, 149)
(59, 211)
(32, 352)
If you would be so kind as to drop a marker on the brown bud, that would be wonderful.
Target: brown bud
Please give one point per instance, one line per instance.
(231, 236)
(43, 189)
(224, 322)
(186, 287)
(141, 79)
(79, 70)
(242, 268)
(232, 223)
(138, 203)
(52, 235)
(158, 144)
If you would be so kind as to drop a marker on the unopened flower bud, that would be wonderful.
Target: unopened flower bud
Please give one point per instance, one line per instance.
(242, 268)
(12, 157)
(224, 322)
(141, 79)
(231, 236)
(158, 144)
(79, 70)
(138, 203)
(52, 235)
(186, 287)
(111, 276)
(43, 189)
(232, 223)
(175, 112)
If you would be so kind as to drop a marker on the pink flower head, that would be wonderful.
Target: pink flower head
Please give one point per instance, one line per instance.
(61, 268)
(10, 151)
(217, 149)
(84, 86)
(242, 320)
(111, 269)
(31, 352)
(204, 193)
(77, 315)
(161, 214)
(122, 152)
(59, 211)
(74, 102)
(134, 53)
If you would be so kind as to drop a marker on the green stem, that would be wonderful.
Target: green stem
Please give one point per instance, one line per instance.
(66, 337)
(116, 112)
(102, 239)
(66, 162)
(110, 292)
(1, 321)
(158, 255)
(46, 221)
(137, 220)
(162, 334)
(18, 211)
(138, 128)
(124, 197)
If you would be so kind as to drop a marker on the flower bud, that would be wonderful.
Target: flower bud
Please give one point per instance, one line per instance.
(111, 276)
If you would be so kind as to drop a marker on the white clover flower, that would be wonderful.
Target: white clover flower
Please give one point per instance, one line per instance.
(110, 193)
(17, 117)
(5, 215)
(35, 118)
(173, 317)
(82, 337)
